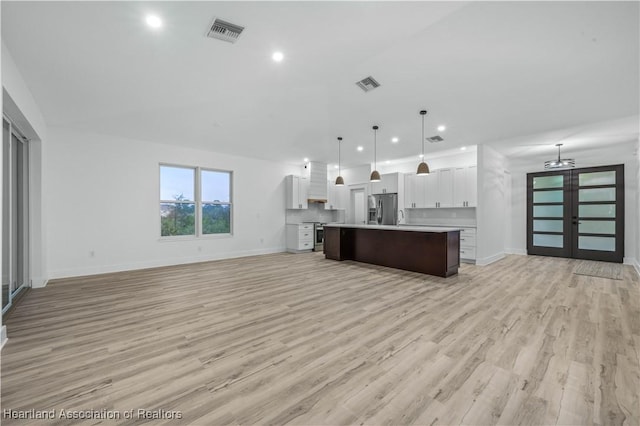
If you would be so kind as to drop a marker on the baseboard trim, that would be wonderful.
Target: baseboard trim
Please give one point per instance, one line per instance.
(38, 282)
(488, 260)
(520, 252)
(633, 262)
(3, 336)
(106, 269)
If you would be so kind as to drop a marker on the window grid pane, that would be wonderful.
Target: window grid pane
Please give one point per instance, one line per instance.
(597, 243)
(548, 225)
(547, 240)
(597, 210)
(177, 219)
(215, 186)
(548, 211)
(216, 218)
(548, 182)
(597, 194)
(597, 178)
(548, 196)
(597, 227)
(177, 183)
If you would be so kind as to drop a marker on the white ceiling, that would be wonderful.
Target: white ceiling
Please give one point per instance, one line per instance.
(519, 75)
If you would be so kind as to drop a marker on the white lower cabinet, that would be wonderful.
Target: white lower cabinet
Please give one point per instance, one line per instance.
(299, 237)
(468, 244)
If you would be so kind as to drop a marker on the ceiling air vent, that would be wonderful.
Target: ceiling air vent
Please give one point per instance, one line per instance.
(368, 84)
(435, 139)
(226, 31)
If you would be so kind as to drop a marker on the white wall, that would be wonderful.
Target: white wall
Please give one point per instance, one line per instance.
(637, 217)
(352, 175)
(491, 210)
(616, 154)
(102, 198)
(434, 160)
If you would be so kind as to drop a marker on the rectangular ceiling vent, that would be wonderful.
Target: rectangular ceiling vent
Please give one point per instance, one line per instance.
(368, 84)
(435, 139)
(223, 30)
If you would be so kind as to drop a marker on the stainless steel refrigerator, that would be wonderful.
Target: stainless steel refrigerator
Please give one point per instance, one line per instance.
(383, 209)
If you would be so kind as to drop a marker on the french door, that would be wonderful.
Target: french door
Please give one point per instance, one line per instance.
(577, 213)
(15, 214)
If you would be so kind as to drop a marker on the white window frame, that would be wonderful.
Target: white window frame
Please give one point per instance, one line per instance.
(197, 202)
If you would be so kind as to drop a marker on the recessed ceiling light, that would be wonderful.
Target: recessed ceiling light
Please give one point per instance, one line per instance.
(336, 166)
(277, 56)
(153, 21)
(463, 148)
(306, 160)
(387, 162)
(442, 128)
(360, 148)
(421, 155)
(394, 140)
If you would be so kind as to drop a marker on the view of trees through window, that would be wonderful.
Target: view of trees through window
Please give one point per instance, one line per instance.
(182, 206)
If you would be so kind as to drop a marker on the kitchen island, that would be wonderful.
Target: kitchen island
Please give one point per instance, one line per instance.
(433, 251)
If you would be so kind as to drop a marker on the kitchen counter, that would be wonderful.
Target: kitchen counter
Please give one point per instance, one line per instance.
(411, 228)
(428, 250)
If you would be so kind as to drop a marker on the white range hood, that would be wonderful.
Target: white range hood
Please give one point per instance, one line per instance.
(317, 182)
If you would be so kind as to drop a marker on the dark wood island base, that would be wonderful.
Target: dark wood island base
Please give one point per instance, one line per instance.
(433, 252)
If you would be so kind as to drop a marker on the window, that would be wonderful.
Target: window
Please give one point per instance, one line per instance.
(216, 202)
(194, 201)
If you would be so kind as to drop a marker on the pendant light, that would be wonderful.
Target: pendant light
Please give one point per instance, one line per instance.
(339, 179)
(375, 175)
(560, 162)
(423, 168)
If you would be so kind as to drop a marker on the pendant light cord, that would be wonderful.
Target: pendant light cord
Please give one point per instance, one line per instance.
(375, 148)
(423, 136)
(339, 159)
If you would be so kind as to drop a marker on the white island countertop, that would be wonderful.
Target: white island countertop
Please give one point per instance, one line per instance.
(412, 228)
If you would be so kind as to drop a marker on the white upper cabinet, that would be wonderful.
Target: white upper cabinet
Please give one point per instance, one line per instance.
(445, 187)
(414, 191)
(388, 184)
(431, 190)
(297, 188)
(465, 186)
(449, 187)
(409, 196)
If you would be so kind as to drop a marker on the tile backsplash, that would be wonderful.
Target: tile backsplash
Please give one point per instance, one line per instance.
(315, 213)
(442, 216)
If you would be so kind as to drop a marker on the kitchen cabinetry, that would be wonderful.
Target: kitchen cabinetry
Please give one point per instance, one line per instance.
(388, 184)
(465, 186)
(414, 191)
(468, 244)
(297, 188)
(336, 197)
(299, 237)
(438, 189)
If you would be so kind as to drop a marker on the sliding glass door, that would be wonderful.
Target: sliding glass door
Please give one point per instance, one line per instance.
(15, 216)
(577, 213)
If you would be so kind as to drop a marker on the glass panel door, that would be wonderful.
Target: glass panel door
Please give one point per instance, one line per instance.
(15, 216)
(6, 212)
(548, 204)
(597, 216)
(577, 213)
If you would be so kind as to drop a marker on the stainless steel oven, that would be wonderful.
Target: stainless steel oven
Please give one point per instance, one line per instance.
(318, 236)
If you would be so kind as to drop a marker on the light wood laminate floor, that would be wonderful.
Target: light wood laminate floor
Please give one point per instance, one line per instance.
(297, 339)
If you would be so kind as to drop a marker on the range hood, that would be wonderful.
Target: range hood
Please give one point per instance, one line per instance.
(317, 182)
